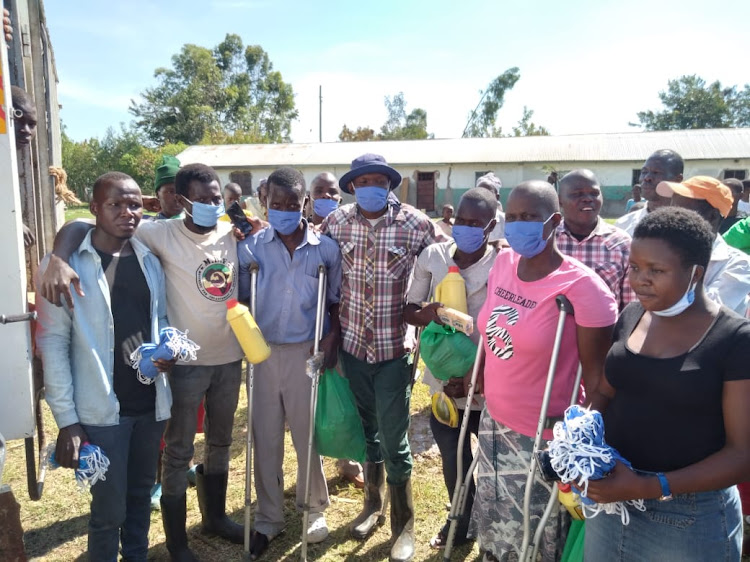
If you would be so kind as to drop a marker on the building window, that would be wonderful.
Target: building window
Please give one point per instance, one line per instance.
(736, 174)
(478, 175)
(244, 179)
(636, 177)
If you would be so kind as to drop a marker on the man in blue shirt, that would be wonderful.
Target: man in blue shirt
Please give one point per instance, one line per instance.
(92, 390)
(288, 255)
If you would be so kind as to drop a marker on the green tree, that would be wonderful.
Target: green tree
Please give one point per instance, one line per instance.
(690, 103)
(361, 134)
(398, 126)
(527, 128)
(80, 161)
(123, 151)
(481, 121)
(229, 93)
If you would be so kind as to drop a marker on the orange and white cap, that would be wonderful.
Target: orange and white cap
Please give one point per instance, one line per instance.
(718, 195)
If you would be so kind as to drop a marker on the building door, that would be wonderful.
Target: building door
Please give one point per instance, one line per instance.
(426, 191)
(244, 179)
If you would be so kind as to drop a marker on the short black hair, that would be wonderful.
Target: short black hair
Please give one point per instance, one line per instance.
(734, 184)
(482, 198)
(193, 172)
(287, 177)
(674, 163)
(21, 97)
(106, 179)
(543, 192)
(686, 232)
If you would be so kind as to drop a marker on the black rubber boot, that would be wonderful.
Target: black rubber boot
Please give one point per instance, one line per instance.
(173, 516)
(367, 520)
(402, 522)
(212, 499)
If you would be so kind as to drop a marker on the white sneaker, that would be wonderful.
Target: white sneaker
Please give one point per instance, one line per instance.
(317, 528)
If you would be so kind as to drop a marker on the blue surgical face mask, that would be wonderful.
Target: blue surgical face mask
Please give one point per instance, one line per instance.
(371, 198)
(284, 222)
(324, 207)
(206, 215)
(468, 239)
(681, 305)
(527, 238)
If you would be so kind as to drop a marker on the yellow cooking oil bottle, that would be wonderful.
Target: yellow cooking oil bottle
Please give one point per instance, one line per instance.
(451, 291)
(247, 332)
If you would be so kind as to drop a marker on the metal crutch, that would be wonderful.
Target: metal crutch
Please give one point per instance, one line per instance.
(460, 491)
(536, 542)
(565, 308)
(249, 382)
(314, 366)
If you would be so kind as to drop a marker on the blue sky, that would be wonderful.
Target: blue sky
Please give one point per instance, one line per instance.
(586, 65)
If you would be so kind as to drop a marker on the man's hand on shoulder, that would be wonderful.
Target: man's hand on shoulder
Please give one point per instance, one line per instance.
(56, 280)
(69, 442)
(151, 203)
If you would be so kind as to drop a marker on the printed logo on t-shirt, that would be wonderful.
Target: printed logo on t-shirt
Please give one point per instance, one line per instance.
(215, 279)
(498, 339)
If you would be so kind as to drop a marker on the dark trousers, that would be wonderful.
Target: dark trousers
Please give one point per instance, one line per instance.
(447, 441)
(383, 394)
(121, 504)
(218, 387)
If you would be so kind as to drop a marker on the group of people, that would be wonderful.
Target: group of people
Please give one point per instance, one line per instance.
(658, 329)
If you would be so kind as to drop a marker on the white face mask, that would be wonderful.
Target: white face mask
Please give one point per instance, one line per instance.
(681, 305)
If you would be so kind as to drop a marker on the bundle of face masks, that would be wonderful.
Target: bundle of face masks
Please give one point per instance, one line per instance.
(578, 453)
(173, 344)
(92, 464)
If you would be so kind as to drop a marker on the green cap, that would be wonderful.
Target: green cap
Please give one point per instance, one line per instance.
(166, 171)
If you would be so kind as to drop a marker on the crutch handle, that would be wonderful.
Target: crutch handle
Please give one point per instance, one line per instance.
(564, 305)
(254, 268)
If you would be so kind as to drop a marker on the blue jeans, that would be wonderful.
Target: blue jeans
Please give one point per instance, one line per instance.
(701, 526)
(121, 504)
(383, 393)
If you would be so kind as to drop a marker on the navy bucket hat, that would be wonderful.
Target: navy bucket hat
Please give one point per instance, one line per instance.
(369, 164)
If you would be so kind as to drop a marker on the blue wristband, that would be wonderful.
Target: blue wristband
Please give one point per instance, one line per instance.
(666, 493)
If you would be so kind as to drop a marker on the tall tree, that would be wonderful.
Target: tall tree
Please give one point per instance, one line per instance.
(123, 151)
(482, 120)
(398, 126)
(361, 134)
(228, 94)
(527, 128)
(690, 103)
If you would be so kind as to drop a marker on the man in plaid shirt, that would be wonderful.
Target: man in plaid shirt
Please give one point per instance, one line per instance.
(583, 235)
(379, 240)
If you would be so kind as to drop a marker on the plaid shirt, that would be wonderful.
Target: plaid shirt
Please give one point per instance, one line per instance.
(376, 266)
(607, 251)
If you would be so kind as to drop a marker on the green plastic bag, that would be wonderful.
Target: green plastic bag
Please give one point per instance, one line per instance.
(573, 551)
(338, 427)
(446, 352)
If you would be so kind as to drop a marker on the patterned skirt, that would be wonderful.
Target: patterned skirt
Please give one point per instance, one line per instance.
(497, 516)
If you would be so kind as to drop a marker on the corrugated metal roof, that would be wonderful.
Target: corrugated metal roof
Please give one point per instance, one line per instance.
(698, 144)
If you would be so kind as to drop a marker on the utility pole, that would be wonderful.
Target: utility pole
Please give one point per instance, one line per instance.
(320, 114)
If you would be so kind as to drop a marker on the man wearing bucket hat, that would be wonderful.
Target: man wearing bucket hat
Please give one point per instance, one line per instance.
(379, 240)
(727, 278)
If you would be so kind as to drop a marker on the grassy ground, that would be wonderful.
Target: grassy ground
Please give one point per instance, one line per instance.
(55, 526)
(77, 213)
